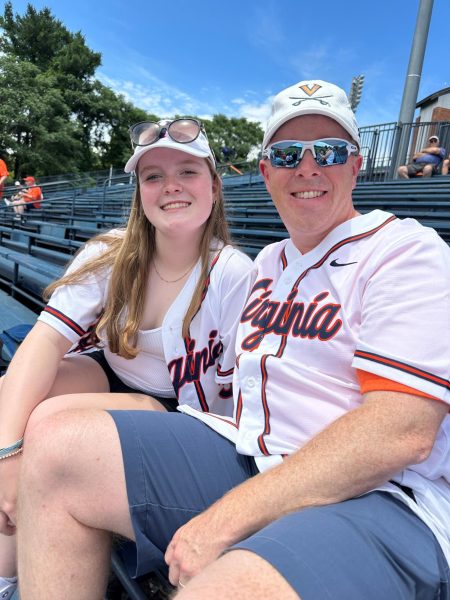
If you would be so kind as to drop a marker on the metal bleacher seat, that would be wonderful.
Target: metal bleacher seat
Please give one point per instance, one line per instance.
(254, 221)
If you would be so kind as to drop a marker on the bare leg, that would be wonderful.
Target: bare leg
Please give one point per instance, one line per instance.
(75, 374)
(238, 575)
(19, 207)
(85, 376)
(82, 383)
(7, 549)
(427, 171)
(72, 494)
(403, 172)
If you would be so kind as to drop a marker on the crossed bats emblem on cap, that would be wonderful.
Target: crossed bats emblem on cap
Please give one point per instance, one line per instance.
(310, 91)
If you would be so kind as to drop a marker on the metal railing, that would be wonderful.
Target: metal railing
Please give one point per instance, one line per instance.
(380, 143)
(379, 148)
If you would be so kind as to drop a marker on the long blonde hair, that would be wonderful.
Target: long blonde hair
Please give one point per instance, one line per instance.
(129, 257)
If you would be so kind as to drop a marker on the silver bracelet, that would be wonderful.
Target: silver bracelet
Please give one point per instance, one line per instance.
(5, 452)
(19, 451)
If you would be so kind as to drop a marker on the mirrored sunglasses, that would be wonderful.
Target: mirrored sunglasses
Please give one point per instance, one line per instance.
(326, 152)
(183, 131)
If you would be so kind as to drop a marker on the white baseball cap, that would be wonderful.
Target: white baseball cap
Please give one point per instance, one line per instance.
(433, 137)
(199, 147)
(312, 97)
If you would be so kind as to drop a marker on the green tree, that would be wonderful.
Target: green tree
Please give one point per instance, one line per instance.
(115, 148)
(35, 121)
(240, 136)
(35, 37)
(54, 116)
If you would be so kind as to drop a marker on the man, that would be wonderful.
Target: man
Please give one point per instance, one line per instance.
(427, 161)
(27, 198)
(3, 176)
(332, 480)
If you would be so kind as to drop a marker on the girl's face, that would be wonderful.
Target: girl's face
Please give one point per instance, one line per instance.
(177, 192)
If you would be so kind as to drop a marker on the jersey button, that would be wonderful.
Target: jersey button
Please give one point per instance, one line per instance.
(251, 382)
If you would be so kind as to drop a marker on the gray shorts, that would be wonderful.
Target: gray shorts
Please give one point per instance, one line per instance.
(175, 467)
(368, 548)
(417, 167)
(372, 547)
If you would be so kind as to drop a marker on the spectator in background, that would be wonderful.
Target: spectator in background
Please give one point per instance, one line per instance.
(27, 198)
(445, 166)
(427, 161)
(3, 176)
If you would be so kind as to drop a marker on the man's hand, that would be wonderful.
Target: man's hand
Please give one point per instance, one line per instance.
(193, 547)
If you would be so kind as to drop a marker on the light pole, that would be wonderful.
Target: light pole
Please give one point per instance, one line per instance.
(356, 88)
(412, 81)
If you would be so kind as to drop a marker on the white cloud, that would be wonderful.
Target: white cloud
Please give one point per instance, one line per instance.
(154, 96)
(162, 99)
(256, 112)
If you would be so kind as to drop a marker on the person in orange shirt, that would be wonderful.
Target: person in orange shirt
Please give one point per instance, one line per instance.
(28, 198)
(3, 176)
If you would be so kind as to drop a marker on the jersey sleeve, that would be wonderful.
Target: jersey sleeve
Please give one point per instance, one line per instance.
(236, 280)
(73, 308)
(405, 318)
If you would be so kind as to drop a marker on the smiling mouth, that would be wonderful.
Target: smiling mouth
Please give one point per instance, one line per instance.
(308, 195)
(172, 205)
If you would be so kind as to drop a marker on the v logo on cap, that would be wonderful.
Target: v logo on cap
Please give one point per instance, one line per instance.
(310, 90)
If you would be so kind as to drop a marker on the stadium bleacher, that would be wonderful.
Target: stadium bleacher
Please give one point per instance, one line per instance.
(35, 248)
(254, 221)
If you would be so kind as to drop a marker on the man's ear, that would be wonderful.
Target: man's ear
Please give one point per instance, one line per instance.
(356, 167)
(264, 170)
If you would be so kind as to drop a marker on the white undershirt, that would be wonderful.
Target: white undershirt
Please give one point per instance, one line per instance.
(148, 371)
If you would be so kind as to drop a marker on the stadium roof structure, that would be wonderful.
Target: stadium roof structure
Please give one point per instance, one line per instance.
(432, 97)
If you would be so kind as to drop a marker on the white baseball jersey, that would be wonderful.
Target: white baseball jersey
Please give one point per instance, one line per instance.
(201, 368)
(374, 296)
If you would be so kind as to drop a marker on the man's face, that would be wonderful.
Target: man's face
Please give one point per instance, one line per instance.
(312, 200)
(433, 142)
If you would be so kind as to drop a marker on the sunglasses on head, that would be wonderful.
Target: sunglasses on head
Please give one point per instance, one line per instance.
(326, 152)
(183, 131)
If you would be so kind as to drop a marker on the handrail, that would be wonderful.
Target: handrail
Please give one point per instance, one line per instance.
(67, 185)
(379, 145)
(119, 179)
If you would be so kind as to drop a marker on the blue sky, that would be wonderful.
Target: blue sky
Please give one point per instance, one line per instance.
(203, 57)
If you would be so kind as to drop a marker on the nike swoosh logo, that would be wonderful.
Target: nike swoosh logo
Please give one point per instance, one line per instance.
(334, 263)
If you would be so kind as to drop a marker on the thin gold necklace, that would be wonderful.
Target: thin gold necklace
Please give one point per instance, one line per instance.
(172, 280)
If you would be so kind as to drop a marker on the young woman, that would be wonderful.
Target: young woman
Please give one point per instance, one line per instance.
(160, 300)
